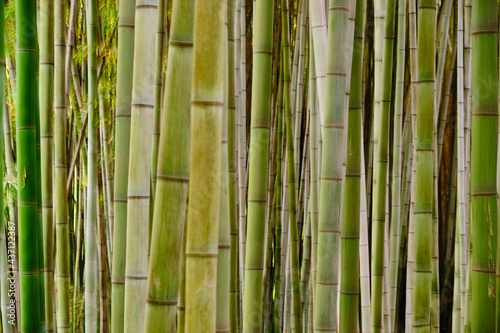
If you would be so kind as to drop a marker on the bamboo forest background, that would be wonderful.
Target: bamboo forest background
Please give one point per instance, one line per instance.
(249, 166)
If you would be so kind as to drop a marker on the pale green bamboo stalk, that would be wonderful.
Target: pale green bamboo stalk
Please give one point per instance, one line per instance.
(108, 169)
(314, 167)
(181, 309)
(46, 99)
(62, 245)
(364, 260)
(233, 91)
(319, 34)
(278, 225)
(76, 273)
(125, 64)
(207, 94)
(172, 175)
(292, 208)
(258, 151)
(224, 238)
(325, 317)
(381, 129)
(242, 158)
(138, 192)
(443, 43)
(6, 281)
(158, 77)
(456, 325)
(92, 193)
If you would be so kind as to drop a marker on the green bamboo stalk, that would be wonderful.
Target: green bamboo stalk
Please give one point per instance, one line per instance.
(76, 273)
(350, 227)
(125, 63)
(62, 246)
(425, 164)
(314, 167)
(139, 184)
(325, 316)
(27, 104)
(258, 152)
(381, 123)
(46, 111)
(103, 262)
(319, 35)
(242, 157)
(5, 283)
(233, 86)
(397, 160)
(456, 325)
(278, 226)
(92, 193)
(207, 95)
(160, 38)
(483, 191)
(292, 207)
(224, 238)
(181, 309)
(443, 43)
(172, 175)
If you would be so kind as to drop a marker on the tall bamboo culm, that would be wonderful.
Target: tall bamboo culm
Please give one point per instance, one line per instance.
(46, 98)
(484, 146)
(425, 165)
(27, 108)
(232, 101)
(125, 64)
(397, 161)
(292, 193)
(257, 169)
(139, 185)
(350, 268)
(172, 175)
(62, 248)
(333, 152)
(92, 193)
(207, 95)
(4, 265)
(381, 163)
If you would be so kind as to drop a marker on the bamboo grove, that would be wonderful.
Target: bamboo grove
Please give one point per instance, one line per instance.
(249, 166)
